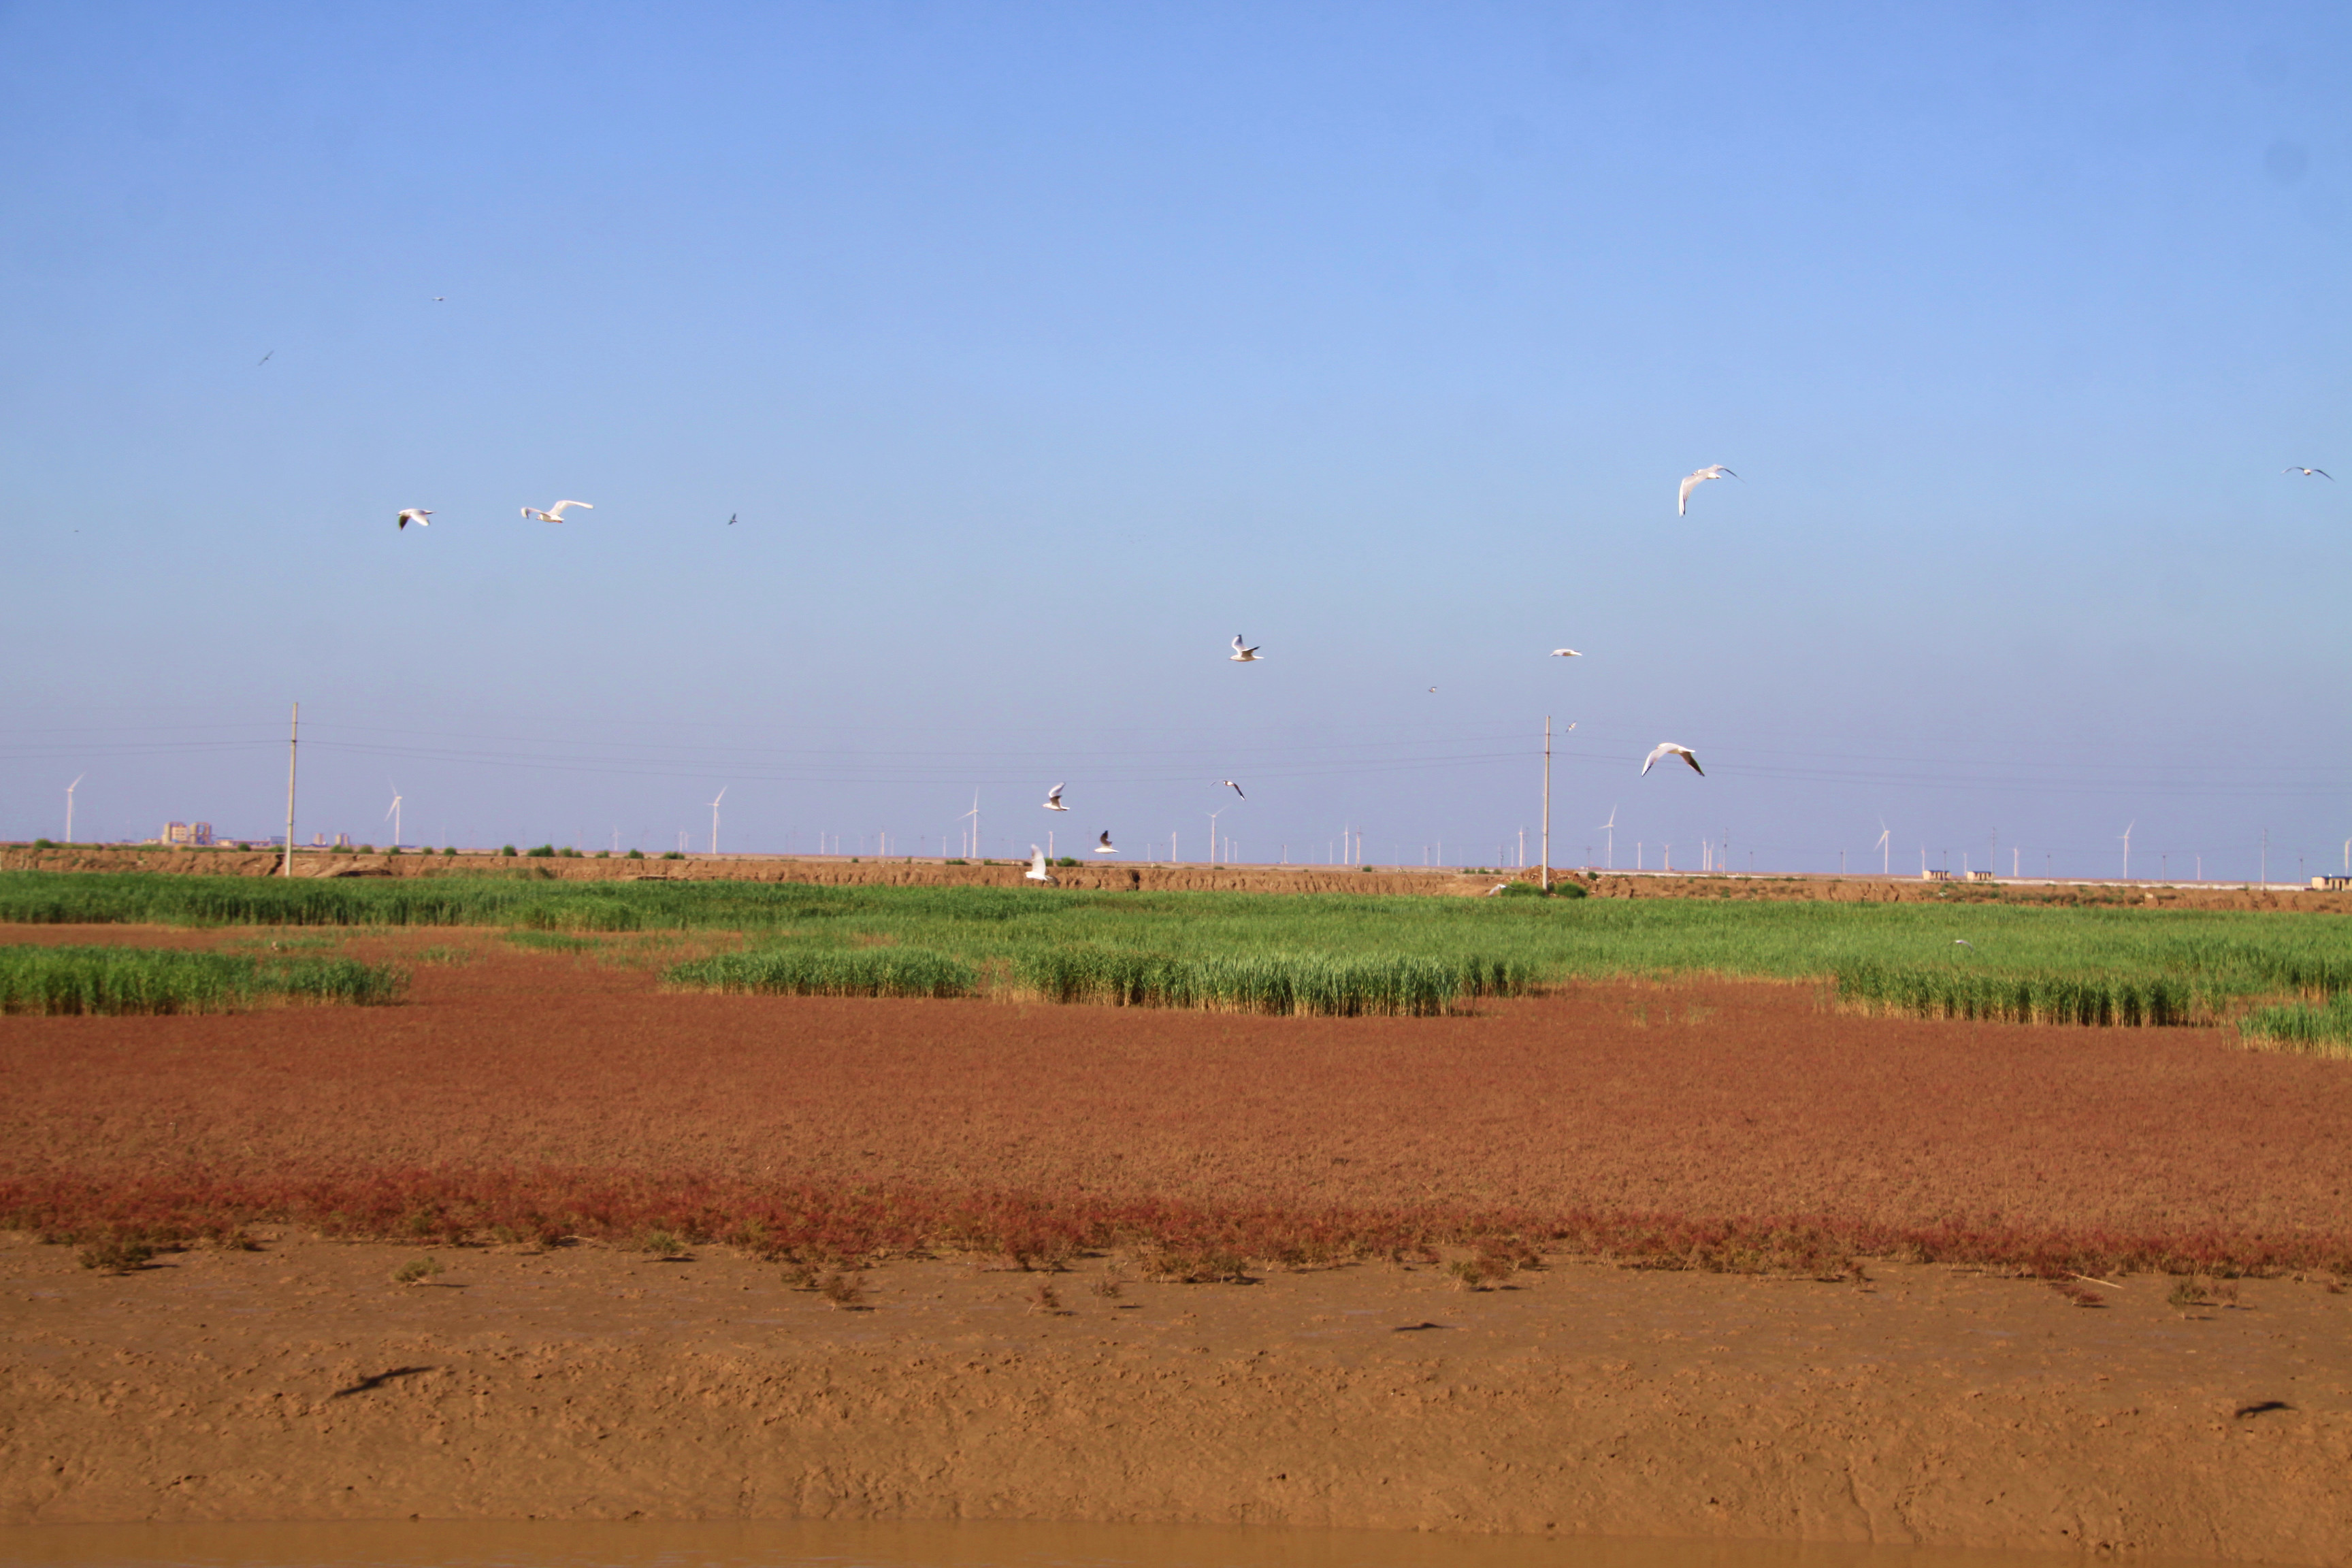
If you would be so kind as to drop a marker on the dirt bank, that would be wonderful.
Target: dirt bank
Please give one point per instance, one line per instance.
(1920, 1406)
(1190, 878)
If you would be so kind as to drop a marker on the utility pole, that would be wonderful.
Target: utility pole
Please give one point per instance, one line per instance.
(1547, 805)
(293, 734)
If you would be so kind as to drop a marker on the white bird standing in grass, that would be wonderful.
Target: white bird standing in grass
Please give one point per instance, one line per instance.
(1105, 847)
(1566, 653)
(416, 514)
(1037, 872)
(1054, 799)
(1668, 749)
(1242, 655)
(1692, 481)
(555, 512)
(2308, 473)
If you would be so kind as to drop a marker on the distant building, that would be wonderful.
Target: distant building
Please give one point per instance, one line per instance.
(2333, 884)
(1980, 877)
(193, 833)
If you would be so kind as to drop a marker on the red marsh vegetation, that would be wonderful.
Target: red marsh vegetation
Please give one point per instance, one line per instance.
(1702, 1123)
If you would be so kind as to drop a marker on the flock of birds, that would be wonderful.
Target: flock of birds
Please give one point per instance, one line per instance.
(1244, 653)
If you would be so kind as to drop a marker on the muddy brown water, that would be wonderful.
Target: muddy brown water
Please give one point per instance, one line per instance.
(972, 1544)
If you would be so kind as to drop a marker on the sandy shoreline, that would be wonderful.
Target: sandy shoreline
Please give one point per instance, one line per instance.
(1926, 1405)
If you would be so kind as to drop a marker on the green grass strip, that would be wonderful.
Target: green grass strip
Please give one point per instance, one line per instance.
(1324, 984)
(142, 980)
(828, 972)
(1949, 991)
(2323, 1031)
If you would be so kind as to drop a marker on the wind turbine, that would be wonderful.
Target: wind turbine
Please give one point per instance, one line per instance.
(392, 816)
(1610, 827)
(974, 814)
(69, 789)
(714, 816)
(1212, 833)
(1885, 849)
(2127, 831)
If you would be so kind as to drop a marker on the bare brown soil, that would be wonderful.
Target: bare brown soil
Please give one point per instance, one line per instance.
(1703, 1126)
(1163, 877)
(1629, 1118)
(1922, 1404)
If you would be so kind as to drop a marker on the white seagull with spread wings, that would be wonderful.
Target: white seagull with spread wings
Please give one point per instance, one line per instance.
(555, 512)
(1668, 749)
(1037, 872)
(1054, 799)
(1105, 847)
(416, 514)
(2308, 473)
(1242, 655)
(1232, 786)
(1692, 481)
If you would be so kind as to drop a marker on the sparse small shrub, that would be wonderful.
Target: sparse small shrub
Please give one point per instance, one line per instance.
(449, 850)
(416, 1270)
(445, 955)
(1066, 860)
(44, 844)
(506, 848)
(116, 1255)
(841, 1289)
(603, 854)
(662, 1243)
(2077, 1294)
(635, 855)
(544, 852)
(1193, 1266)
(1108, 1287)
(1045, 1298)
(2186, 1293)
(673, 855)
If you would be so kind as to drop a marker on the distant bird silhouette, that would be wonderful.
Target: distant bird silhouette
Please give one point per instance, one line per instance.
(416, 514)
(1566, 653)
(555, 512)
(1054, 799)
(1105, 847)
(1692, 481)
(440, 299)
(264, 360)
(1242, 655)
(2308, 473)
(731, 519)
(1668, 749)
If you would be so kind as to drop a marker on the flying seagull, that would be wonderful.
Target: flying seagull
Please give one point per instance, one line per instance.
(1232, 786)
(440, 299)
(1668, 749)
(732, 517)
(1693, 482)
(1566, 653)
(1242, 655)
(1105, 847)
(1054, 799)
(416, 514)
(555, 512)
(2308, 473)
(1037, 872)
(1963, 942)
(263, 359)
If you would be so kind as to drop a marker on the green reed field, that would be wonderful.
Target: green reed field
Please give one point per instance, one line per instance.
(1336, 953)
(146, 980)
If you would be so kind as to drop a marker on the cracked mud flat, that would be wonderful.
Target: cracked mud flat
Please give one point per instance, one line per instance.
(1926, 1405)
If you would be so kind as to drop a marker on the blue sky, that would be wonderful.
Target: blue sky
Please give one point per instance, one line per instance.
(1040, 349)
